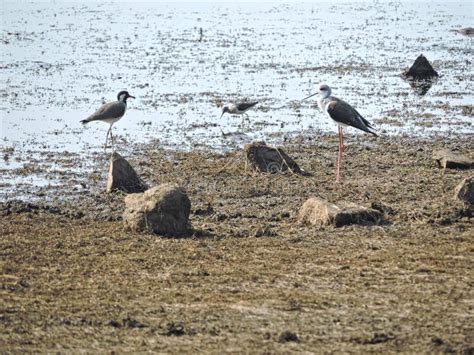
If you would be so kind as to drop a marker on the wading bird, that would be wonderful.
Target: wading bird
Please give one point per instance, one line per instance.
(110, 113)
(238, 108)
(344, 115)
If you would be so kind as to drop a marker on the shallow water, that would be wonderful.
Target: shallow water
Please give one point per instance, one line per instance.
(60, 61)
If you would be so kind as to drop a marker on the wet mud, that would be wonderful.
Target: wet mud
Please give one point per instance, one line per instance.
(249, 277)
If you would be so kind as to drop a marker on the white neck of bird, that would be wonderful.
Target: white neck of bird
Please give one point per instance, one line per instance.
(122, 99)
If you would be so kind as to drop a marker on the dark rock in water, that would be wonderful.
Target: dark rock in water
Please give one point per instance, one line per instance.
(465, 191)
(163, 209)
(122, 177)
(421, 70)
(318, 212)
(421, 76)
(270, 160)
(447, 159)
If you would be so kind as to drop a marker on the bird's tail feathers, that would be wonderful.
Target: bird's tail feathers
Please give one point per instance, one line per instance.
(371, 130)
(85, 121)
(374, 133)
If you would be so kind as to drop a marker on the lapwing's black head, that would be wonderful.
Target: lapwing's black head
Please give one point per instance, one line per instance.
(224, 110)
(124, 95)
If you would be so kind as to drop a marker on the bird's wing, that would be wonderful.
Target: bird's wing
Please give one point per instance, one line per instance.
(242, 106)
(114, 109)
(340, 111)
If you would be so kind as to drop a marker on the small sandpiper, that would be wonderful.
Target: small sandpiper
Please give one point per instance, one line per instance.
(344, 115)
(110, 113)
(238, 108)
(466, 31)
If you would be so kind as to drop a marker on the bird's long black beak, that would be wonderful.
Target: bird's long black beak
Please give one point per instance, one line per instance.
(222, 115)
(131, 97)
(308, 97)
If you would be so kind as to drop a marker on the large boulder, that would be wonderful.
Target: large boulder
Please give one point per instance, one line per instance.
(465, 191)
(163, 209)
(318, 212)
(269, 160)
(447, 159)
(122, 177)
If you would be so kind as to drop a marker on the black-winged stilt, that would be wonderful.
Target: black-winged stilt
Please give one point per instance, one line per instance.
(344, 115)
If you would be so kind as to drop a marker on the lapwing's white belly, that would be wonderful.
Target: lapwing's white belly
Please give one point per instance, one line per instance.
(112, 120)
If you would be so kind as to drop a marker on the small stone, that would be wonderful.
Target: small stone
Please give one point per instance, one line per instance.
(175, 329)
(383, 208)
(204, 211)
(288, 336)
(465, 191)
(447, 159)
(270, 160)
(318, 212)
(122, 177)
(132, 323)
(264, 232)
(163, 209)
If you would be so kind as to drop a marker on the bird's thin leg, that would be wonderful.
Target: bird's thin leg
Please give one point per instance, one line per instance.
(342, 150)
(342, 142)
(111, 137)
(339, 157)
(107, 138)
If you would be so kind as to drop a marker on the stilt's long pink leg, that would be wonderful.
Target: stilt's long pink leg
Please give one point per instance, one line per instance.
(339, 156)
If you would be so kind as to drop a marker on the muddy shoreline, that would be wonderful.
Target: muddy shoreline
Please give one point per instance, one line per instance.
(249, 278)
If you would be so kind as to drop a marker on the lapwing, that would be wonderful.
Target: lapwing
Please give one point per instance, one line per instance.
(110, 113)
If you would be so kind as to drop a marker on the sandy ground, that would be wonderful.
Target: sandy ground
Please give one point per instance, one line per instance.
(250, 278)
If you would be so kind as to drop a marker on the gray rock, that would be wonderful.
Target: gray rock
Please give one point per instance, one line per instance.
(318, 212)
(122, 177)
(163, 209)
(465, 191)
(269, 160)
(447, 159)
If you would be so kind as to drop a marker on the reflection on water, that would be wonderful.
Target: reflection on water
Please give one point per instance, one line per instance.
(421, 87)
